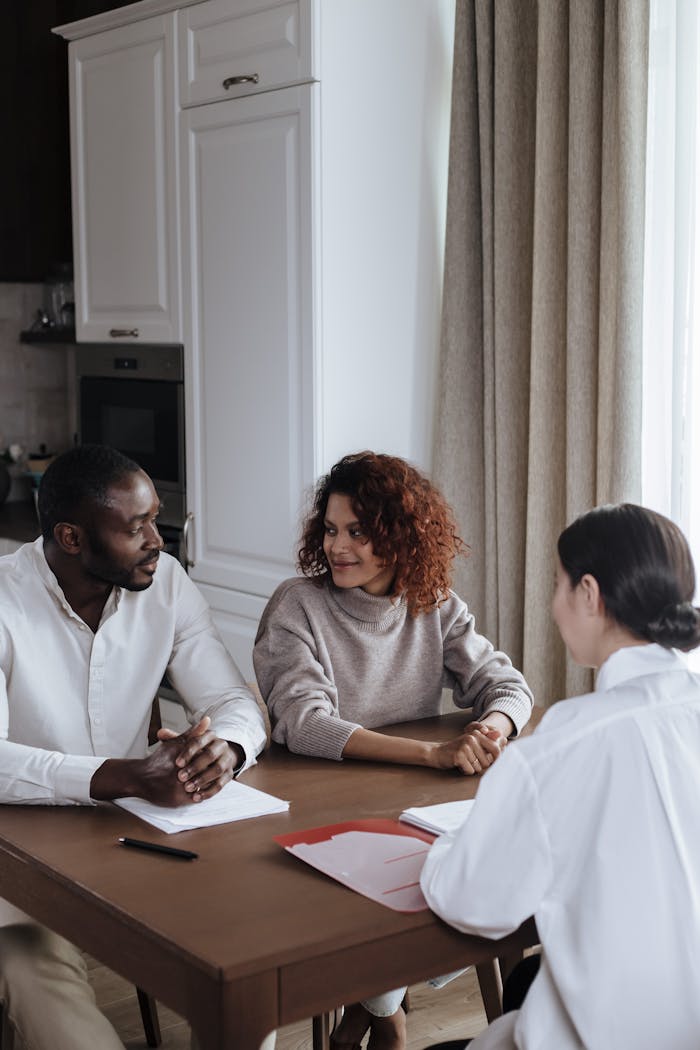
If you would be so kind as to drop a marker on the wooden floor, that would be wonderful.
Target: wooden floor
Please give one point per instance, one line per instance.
(453, 1012)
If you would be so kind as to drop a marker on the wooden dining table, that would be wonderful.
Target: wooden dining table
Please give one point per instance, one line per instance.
(245, 938)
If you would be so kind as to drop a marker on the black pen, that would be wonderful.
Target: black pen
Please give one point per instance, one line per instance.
(184, 854)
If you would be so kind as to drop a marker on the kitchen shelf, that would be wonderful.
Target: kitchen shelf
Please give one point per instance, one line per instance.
(65, 336)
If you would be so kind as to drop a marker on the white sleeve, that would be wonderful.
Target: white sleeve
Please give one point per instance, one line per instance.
(208, 680)
(490, 876)
(37, 776)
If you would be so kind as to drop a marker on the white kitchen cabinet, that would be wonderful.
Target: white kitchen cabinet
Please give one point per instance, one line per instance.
(236, 616)
(312, 244)
(123, 162)
(297, 230)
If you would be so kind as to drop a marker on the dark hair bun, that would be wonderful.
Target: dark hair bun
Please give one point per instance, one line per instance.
(677, 627)
(644, 569)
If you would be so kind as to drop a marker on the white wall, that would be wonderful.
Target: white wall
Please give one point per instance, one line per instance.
(380, 376)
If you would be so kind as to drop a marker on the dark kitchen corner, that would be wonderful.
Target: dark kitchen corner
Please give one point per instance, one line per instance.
(35, 219)
(35, 230)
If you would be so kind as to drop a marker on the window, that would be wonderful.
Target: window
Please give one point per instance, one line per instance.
(671, 341)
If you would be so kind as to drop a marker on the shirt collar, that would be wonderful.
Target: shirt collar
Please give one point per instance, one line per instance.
(54, 588)
(636, 660)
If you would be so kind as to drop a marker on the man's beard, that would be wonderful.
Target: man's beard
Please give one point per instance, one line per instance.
(101, 567)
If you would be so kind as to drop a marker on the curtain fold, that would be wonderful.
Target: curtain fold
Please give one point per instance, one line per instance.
(540, 382)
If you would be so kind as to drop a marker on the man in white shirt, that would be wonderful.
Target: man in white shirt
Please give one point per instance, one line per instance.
(91, 616)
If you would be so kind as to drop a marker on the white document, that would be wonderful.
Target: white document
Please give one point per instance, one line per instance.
(236, 801)
(439, 819)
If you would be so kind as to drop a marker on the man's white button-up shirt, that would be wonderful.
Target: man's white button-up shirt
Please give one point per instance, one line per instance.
(69, 699)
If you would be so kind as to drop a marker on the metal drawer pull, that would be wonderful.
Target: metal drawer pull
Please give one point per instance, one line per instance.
(249, 78)
(119, 333)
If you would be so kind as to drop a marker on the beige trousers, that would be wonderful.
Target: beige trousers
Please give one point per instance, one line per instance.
(47, 1001)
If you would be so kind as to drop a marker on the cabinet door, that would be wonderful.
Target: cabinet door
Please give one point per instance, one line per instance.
(124, 209)
(236, 617)
(247, 290)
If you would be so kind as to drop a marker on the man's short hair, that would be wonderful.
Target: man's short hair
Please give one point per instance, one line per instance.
(78, 477)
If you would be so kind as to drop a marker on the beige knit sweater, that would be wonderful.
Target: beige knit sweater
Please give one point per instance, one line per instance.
(329, 660)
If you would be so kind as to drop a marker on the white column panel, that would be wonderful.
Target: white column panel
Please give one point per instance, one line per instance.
(247, 238)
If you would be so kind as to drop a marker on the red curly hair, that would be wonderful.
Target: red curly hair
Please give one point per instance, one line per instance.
(408, 522)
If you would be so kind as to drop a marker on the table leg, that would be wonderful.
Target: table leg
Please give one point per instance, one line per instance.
(237, 1014)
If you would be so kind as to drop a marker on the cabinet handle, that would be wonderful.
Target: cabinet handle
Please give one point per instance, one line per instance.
(185, 542)
(120, 333)
(247, 78)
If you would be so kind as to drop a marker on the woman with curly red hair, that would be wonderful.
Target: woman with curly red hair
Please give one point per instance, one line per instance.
(369, 635)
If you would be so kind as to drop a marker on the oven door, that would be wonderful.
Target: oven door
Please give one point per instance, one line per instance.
(143, 418)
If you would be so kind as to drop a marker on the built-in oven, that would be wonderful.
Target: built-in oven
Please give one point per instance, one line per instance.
(132, 398)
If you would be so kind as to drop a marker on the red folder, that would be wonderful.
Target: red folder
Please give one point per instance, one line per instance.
(381, 859)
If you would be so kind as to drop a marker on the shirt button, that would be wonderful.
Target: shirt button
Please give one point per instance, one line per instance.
(97, 721)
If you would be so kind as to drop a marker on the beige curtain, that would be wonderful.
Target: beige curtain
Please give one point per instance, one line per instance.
(540, 390)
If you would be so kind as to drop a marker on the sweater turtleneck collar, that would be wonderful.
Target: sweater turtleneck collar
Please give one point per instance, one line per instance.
(374, 611)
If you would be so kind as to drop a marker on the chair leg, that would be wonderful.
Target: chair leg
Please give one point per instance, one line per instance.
(149, 1016)
(507, 963)
(489, 976)
(321, 1032)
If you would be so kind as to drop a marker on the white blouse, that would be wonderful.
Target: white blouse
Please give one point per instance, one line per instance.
(592, 825)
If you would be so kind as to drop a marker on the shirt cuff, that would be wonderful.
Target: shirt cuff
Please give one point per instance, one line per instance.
(73, 778)
(248, 748)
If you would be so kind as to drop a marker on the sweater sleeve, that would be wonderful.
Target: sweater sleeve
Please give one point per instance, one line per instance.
(483, 678)
(301, 697)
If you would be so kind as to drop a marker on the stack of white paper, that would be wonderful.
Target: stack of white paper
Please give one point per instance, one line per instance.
(236, 801)
(439, 819)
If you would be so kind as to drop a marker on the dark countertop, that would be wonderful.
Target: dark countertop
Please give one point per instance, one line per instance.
(18, 521)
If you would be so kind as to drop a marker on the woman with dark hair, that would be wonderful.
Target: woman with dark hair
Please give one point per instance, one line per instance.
(590, 823)
(369, 635)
